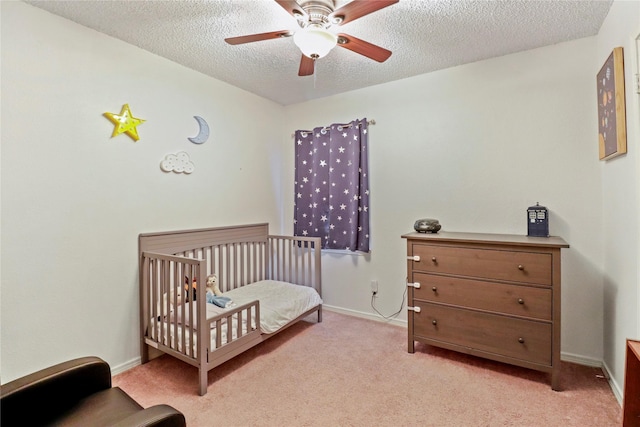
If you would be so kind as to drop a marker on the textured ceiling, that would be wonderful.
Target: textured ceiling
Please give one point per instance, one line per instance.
(424, 35)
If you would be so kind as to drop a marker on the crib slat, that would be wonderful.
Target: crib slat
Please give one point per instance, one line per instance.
(202, 333)
(229, 265)
(157, 288)
(162, 288)
(144, 308)
(189, 297)
(273, 245)
(253, 263)
(218, 334)
(175, 284)
(309, 260)
(226, 268)
(213, 263)
(261, 260)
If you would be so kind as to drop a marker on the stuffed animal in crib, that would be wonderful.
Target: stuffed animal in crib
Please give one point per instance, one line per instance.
(212, 285)
(214, 295)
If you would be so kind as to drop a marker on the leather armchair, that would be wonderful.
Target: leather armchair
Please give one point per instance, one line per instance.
(77, 393)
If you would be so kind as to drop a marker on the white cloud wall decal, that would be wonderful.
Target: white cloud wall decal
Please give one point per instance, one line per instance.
(178, 163)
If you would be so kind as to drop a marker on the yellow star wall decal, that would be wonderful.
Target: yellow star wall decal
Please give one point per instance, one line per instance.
(125, 122)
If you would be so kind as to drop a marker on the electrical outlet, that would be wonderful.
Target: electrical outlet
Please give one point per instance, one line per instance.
(374, 287)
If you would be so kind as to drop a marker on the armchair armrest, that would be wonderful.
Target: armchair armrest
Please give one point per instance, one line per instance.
(155, 416)
(53, 390)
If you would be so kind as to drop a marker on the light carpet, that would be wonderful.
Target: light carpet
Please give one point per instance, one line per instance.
(348, 371)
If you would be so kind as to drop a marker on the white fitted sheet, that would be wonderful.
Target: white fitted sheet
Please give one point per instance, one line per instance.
(280, 303)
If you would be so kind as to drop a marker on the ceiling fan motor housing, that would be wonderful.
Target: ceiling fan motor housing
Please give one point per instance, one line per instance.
(318, 11)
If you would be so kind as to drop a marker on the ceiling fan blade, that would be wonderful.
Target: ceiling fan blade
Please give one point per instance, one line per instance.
(293, 8)
(258, 37)
(364, 48)
(306, 66)
(359, 8)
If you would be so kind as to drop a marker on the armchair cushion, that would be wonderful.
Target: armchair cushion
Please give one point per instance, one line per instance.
(75, 393)
(103, 408)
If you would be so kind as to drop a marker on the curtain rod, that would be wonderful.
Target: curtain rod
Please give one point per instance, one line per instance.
(369, 122)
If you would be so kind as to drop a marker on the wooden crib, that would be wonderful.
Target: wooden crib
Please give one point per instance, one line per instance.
(174, 266)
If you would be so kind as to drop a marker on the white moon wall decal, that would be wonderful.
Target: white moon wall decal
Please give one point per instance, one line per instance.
(203, 135)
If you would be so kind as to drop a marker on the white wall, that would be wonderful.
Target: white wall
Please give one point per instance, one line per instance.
(621, 201)
(74, 200)
(474, 146)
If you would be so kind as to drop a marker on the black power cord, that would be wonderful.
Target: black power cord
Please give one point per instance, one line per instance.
(391, 316)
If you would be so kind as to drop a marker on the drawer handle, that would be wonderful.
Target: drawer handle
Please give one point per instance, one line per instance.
(434, 289)
(434, 322)
(520, 267)
(520, 301)
(434, 259)
(521, 340)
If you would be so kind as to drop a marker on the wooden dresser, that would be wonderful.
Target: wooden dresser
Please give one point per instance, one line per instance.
(490, 295)
(631, 404)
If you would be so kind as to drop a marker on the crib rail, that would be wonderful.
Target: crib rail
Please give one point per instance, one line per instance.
(168, 316)
(234, 324)
(295, 259)
(235, 263)
(285, 258)
(167, 309)
(241, 255)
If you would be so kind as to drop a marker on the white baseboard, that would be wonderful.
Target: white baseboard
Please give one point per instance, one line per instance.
(361, 314)
(615, 387)
(580, 360)
(115, 370)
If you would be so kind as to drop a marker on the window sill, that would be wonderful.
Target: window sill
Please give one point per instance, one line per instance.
(344, 252)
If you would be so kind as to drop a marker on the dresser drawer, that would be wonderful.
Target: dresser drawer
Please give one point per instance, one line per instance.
(504, 298)
(516, 266)
(516, 338)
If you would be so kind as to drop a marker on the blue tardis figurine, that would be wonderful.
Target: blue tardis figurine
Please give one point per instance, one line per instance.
(538, 221)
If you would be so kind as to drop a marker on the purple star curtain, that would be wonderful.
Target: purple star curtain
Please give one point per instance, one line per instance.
(332, 185)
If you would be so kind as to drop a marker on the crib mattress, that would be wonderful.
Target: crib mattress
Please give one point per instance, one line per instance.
(280, 303)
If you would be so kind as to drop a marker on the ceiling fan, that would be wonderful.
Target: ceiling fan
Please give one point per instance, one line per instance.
(314, 39)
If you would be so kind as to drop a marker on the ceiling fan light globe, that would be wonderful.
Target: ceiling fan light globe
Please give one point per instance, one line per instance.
(315, 42)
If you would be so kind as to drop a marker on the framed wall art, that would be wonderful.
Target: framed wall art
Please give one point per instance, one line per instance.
(612, 127)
